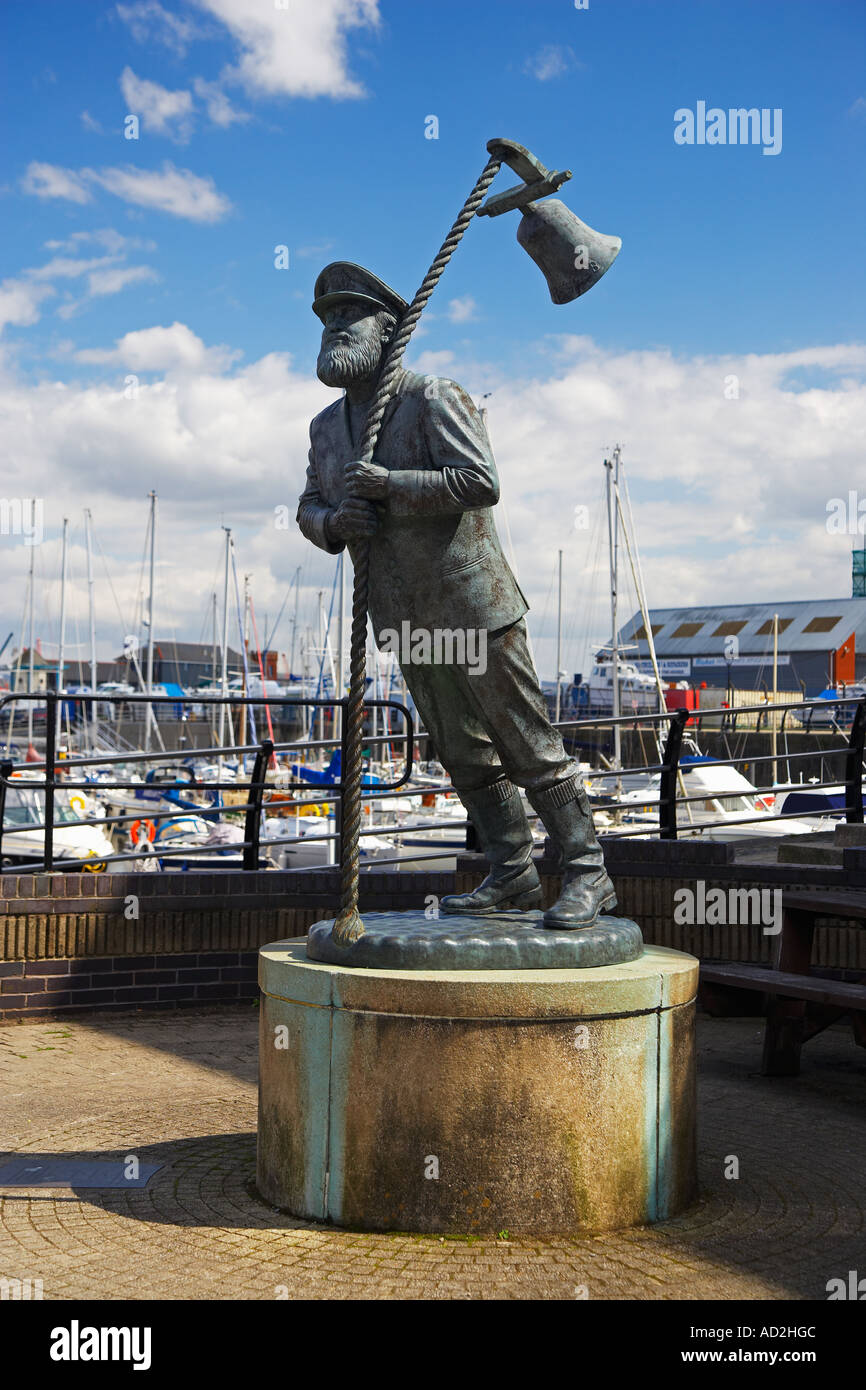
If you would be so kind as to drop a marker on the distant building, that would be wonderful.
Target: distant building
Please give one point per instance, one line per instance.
(181, 663)
(44, 671)
(821, 642)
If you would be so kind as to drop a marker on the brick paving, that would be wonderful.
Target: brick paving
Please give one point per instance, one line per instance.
(180, 1090)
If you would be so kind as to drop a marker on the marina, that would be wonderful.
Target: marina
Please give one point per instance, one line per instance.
(243, 769)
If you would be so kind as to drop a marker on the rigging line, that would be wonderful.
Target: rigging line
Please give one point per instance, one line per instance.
(592, 571)
(324, 650)
(542, 626)
(138, 615)
(123, 624)
(262, 675)
(252, 716)
(269, 637)
(214, 585)
(73, 608)
(17, 680)
(572, 630)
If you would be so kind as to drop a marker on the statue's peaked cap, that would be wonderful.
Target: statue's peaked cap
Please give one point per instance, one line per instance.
(343, 280)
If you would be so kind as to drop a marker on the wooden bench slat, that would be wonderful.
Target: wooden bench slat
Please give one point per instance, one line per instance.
(840, 993)
(826, 904)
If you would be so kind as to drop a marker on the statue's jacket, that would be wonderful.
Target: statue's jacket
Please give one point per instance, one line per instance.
(435, 558)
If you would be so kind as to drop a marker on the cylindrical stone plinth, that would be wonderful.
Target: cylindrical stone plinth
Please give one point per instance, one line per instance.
(534, 1101)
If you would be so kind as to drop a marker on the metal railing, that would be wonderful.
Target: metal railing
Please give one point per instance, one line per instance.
(670, 796)
(57, 776)
(670, 767)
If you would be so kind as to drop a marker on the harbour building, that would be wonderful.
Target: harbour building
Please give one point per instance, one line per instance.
(820, 643)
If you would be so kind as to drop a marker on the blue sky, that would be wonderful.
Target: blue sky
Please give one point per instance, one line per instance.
(306, 127)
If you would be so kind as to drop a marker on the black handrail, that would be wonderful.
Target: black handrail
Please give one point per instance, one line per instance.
(668, 781)
(854, 767)
(253, 820)
(668, 799)
(256, 785)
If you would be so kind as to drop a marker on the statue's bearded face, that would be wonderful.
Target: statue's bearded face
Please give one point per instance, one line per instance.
(353, 342)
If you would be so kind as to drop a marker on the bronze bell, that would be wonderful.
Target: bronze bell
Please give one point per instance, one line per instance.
(570, 255)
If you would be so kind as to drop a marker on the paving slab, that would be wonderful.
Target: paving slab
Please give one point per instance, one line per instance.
(782, 1170)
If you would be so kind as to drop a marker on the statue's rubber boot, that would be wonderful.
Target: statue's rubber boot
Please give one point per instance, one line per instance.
(587, 891)
(506, 839)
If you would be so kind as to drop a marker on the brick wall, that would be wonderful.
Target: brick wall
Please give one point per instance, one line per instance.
(72, 942)
(31, 987)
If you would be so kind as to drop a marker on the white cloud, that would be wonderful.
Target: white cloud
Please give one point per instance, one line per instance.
(551, 61)
(219, 109)
(730, 495)
(176, 191)
(179, 192)
(295, 49)
(434, 363)
(50, 181)
(113, 241)
(149, 21)
(161, 349)
(462, 310)
(162, 112)
(105, 282)
(64, 268)
(308, 253)
(91, 123)
(102, 282)
(19, 302)
(105, 274)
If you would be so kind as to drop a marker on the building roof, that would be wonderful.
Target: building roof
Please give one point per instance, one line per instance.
(41, 662)
(201, 652)
(813, 625)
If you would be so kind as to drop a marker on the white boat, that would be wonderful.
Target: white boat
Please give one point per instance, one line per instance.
(638, 693)
(726, 796)
(74, 838)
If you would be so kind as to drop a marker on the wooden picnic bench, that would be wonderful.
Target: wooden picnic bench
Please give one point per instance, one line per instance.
(797, 1003)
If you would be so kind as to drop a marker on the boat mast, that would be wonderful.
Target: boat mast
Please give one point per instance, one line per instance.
(559, 644)
(630, 536)
(612, 467)
(62, 643)
(295, 625)
(325, 646)
(775, 695)
(30, 652)
(244, 624)
(213, 663)
(94, 708)
(149, 718)
(224, 679)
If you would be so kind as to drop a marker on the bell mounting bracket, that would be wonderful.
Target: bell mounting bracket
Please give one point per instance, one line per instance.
(538, 181)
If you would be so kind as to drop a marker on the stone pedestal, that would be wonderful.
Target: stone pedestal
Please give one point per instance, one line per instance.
(534, 1101)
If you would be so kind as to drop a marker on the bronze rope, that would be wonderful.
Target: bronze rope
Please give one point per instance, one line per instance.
(348, 926)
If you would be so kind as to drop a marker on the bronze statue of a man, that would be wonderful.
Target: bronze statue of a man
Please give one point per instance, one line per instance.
(426, 505)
